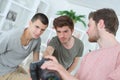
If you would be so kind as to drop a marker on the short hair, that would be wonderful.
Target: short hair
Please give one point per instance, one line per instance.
(63, 21)
(42, 17)
(110, 19)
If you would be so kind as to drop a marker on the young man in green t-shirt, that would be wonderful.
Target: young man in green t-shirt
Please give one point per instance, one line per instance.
(65, 47)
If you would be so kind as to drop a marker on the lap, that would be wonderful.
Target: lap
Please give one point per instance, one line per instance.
(19, 74)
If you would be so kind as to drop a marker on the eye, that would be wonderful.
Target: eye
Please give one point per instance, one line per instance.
(42, 29)
(37, 26)
(58, 31)
(66, 31)
(88, 25)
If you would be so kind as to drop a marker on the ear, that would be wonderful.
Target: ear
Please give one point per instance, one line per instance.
(30, 22)
(101, 23)
(72, 30)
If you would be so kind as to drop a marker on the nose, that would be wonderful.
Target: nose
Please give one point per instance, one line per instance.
(87, 32)
(62, 35)
(38, 32)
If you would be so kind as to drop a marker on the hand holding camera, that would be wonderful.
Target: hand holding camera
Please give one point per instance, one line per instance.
(42, 74)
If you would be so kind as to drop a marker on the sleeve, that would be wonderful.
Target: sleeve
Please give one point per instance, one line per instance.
(81, 48)
(115, 75)
(3, 43)
(53, 42)
(37, 48)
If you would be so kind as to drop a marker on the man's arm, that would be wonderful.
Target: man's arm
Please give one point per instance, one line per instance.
(74, 64)
(115, 74)
(53, 64)
(4, 39)
(35, 56)
(49, 51)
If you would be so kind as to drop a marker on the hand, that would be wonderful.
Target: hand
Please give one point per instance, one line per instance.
(52, 58)
(53, 64)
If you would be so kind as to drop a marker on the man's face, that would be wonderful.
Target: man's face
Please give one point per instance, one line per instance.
(92, 31)
(36, 28)
(64, 34)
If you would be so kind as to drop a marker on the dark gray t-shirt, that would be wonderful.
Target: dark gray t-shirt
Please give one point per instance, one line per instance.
(12, 53)
(66, 56)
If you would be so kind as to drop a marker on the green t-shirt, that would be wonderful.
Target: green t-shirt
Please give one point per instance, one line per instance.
(66, 56)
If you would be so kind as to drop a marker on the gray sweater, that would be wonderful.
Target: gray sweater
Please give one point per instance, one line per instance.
(12, 53)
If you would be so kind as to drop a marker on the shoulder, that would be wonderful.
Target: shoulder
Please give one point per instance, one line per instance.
(6, 34)
(54, 39)
(16, 32)
(78, 41)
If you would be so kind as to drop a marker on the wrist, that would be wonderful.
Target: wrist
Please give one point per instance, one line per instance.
(66, 75)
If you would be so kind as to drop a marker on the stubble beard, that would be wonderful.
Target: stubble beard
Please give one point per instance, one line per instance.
(66, 42)
(93, 38)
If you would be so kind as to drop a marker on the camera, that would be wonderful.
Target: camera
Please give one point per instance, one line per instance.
(37, 73)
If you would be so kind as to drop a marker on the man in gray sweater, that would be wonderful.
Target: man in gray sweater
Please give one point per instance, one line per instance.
(17, 44)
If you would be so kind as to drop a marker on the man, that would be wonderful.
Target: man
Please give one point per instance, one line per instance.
(65, 47)
(17, 44)
(103, 63)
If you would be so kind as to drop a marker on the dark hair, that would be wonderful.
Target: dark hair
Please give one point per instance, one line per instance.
(63, 21)
(42, 17)
(110, 19)
(91, 14)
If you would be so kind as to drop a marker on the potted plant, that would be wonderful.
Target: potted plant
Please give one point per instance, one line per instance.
(73, 16)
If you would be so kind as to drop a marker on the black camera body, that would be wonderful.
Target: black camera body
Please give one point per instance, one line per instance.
(37, 73)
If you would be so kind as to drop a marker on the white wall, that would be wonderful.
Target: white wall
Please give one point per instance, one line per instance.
(56, 5)
(118, 32)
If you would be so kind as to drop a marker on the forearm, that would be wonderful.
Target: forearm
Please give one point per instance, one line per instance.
(35, 56)
(71, 68)
(46, 53)
(66, 75)
(49, 51)
(54, 65)
(74, 64)
(3, 48)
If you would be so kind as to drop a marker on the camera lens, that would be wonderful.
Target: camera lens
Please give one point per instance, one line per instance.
(50, 75)
(52, 78)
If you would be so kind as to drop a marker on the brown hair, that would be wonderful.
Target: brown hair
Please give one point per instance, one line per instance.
(42, 17)
(63, 21)
(110, 19)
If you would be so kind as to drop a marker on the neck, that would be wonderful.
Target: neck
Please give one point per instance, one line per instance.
(25, 39)
(69, 44)
(107, 41)
(27, 35)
